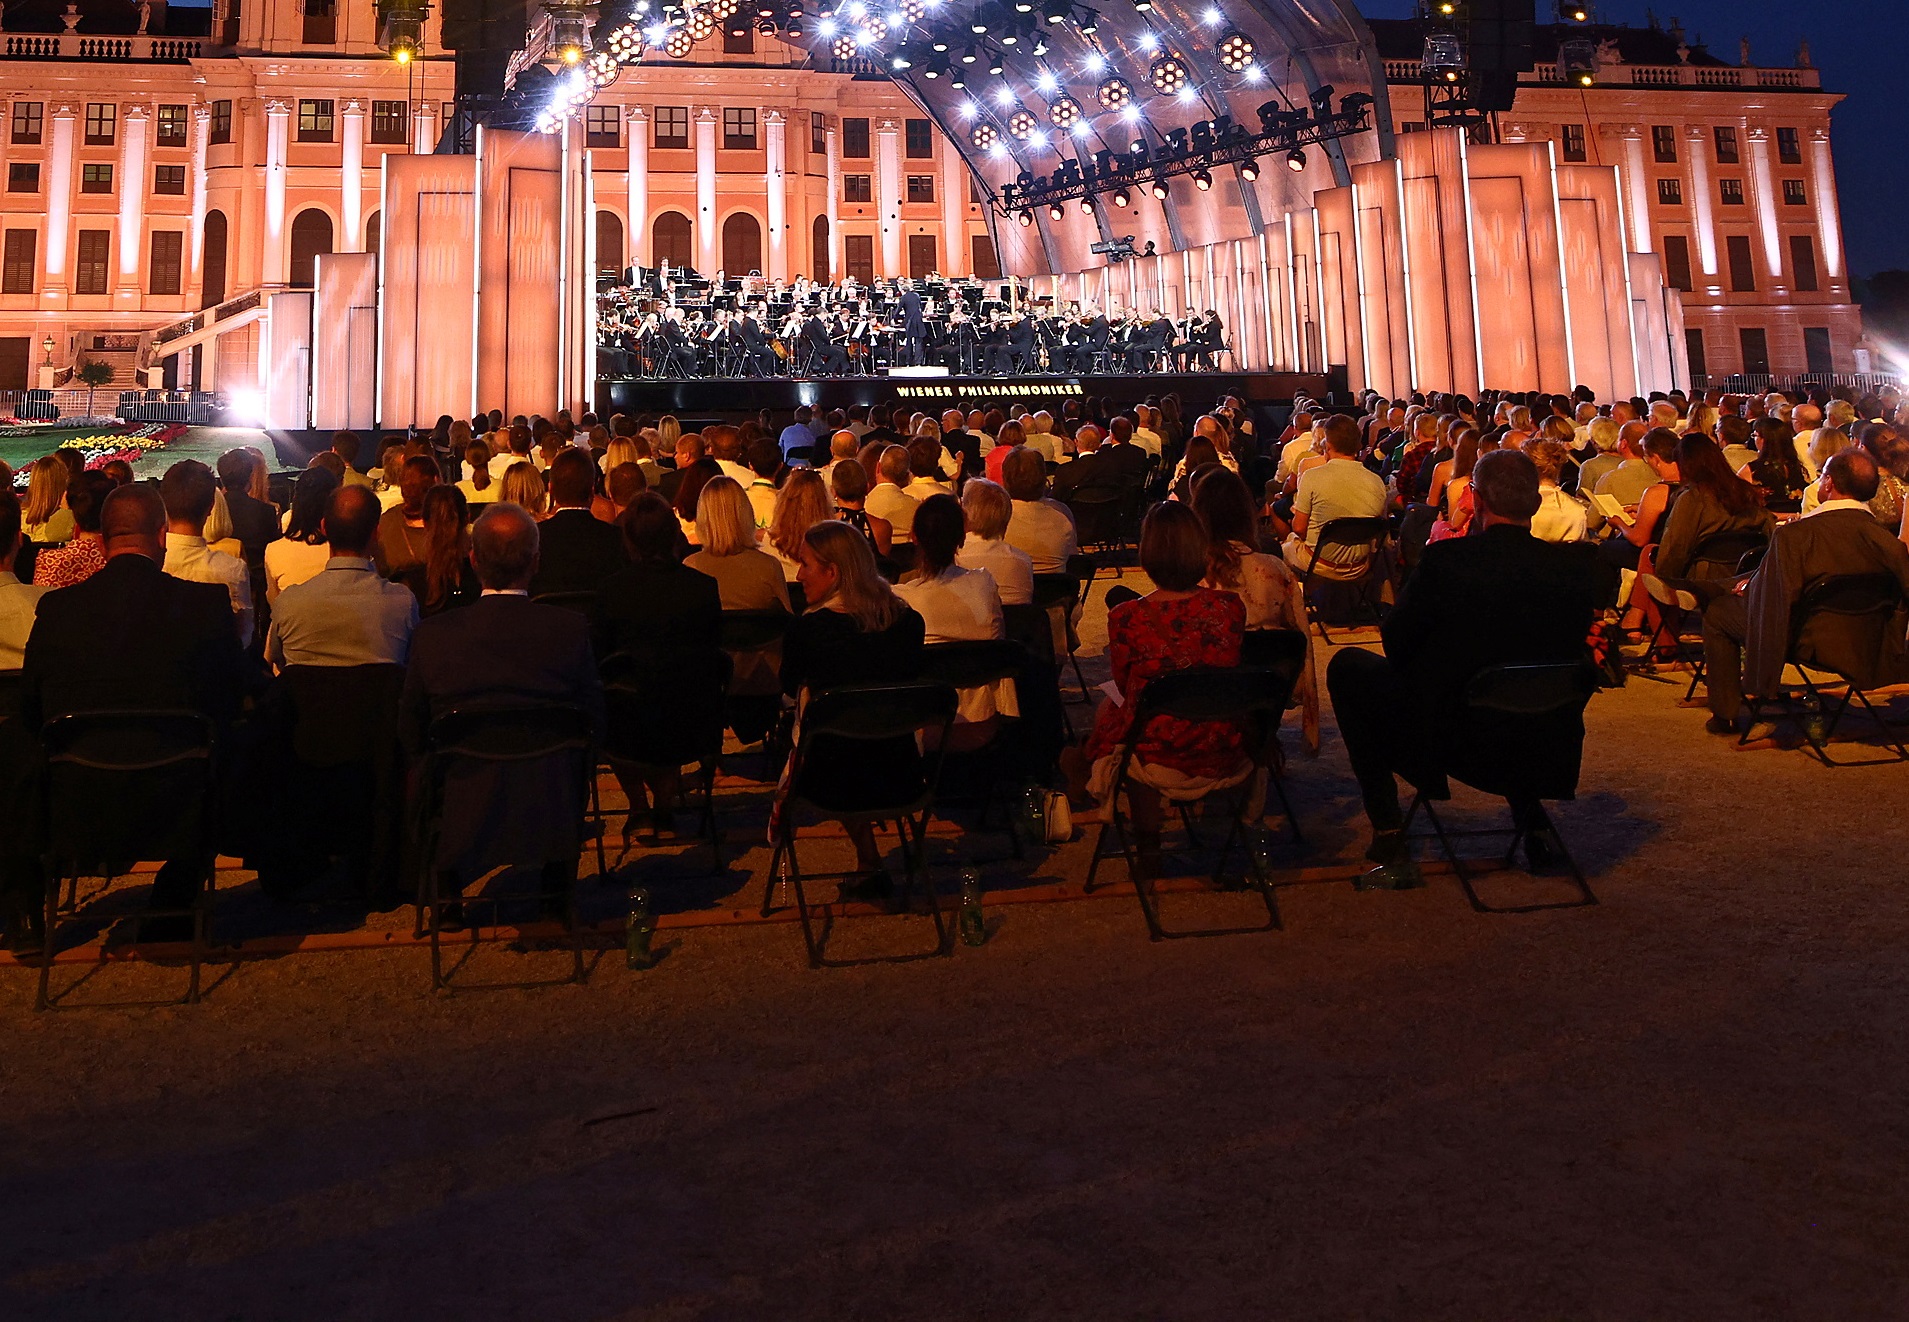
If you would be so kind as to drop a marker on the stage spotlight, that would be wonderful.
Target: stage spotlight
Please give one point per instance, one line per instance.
(979, 27)
(1202, 180)
(873, 30)
(939, 45)
(403, 49)
(1088, 23)
(1087, 204)
(1057, 211)
(956, 78)
(1142, 6)
(569, 33)
(701, 24)
(912, 11)
(1040, 43)
(1121, 197)
(984, 136)
(1010, 39)
(1574, 13)
(996, 62)
(1159, 189)
(1249, 170)
(679, 45)
(1063, 111)
(1046, 82)
(900, 61)
(1235, 52)
(603, 68)
(1020, 125)
(843, 47)
(1296, 160)
(1003, 97)
(1113, 93)
(932, 71)
(970, 55)
(1168, 74)
(1055, 11)
(1026, 217)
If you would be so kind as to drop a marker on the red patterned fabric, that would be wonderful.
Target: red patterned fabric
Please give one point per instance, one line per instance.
(63, 566)
(1150, 637)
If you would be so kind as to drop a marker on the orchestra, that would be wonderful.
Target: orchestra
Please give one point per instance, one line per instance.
(669, 324)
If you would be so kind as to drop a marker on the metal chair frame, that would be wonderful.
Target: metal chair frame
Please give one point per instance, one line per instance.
(964, 665)
(1337, 533)
(1838, 594)
(706, 769)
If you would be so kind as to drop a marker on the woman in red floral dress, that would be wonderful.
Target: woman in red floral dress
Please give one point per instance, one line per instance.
(1175, 627)
(80, 558)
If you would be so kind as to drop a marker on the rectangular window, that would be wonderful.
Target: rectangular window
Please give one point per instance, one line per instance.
(169, 179)
(1816, 351)
(858, 250)
(1794, 194)
(974, 189)
(921, 188)
(739, 41)
(96, 179)
(390, 122)
(601, 127)
(1574, 143)
(89, 274)
(23, 177)
(171, 130)
(20, 264)
(1743, 271)
(314, 121)
(1670, 192)
(1726, 145)
(1788, 149)
(1755, 343)
(818, 133)
(857, 188)
(1677, 261)
(27, 121)
(855, 139)
(919, 139)
(1694, 350)
(163, 268)
(739, 128)
(1731, 191)
(1412, 126)
(921, 255)
(102, 118)
(672, 127)
(221, 121)
(1803, 264)
(1663, 141)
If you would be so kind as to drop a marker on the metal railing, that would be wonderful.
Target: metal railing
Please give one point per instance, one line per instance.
(1745, 382)
(1705, 76)
(75, 46)
(196, 408)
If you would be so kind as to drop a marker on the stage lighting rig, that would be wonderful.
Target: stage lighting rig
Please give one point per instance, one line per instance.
(1577, 62)
(1235, 52)
(1114, 250)
(401, 31)
(1114, 93)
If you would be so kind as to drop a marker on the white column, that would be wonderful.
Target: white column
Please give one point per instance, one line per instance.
(1702, 204)
(424, 129)
(1829, 223)
(351, 187)
(1763, 186)
(59, 201)
(134, 121)
(954, 211)
(1636, 183)
(838, 260)
(888, 196)
(636, 238)
(705, 192)
(201, 139)
(275, 270)
(774, 127)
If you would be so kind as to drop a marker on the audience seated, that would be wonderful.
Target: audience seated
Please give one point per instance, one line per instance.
(1340, 488)
(248, 505)
(802, 503)
(956, 604)
(577, 550)
(346, 615)
(401, 535)
(302, 553)
(84, 553)
(987, 509)
(1711, 502)
(888, 499)
(188, 490)
(1560, 517)
(18, 601)
(1041, 529)
(849, 487)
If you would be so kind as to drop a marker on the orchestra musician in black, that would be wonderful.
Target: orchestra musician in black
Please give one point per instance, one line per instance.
(911, 325)
(821, 355)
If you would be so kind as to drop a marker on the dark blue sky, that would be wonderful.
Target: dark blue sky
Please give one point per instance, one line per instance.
(1859, 45)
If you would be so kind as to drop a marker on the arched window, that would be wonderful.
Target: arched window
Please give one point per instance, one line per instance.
(742, 244)
(213, 269)
(374, 233)
(669, 240)
(819, 242)
(609, 243)
(311, 235)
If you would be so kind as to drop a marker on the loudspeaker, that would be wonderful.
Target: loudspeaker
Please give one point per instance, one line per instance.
(1502, 36)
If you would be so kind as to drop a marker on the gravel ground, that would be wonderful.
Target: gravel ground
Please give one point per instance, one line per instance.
(1686, 1102)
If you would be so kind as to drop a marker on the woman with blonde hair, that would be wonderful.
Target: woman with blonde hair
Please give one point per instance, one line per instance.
(726, 531)
(668, 429)
(524, 485)
(46, 521)
(802, 503)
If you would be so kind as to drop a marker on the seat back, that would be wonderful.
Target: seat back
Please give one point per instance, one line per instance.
(1531, 690)
(584, 603)
(10, 690)
(1727, 550)
(751, 631)
(971, 665)
(153, 767)
(1102, 514)
(1351, 533)
(1280, 650)
(343, 714)
(522, 733)
(1851, 594)
(1210, 693)
(869, 712)
(1032, 627)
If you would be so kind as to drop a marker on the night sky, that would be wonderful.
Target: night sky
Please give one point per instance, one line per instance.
(1858, 44)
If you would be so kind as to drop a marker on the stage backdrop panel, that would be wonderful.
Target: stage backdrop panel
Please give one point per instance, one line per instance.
(1597, 279)
(427, 327)
(1437, 225)
(1384, 310)
(520, 271)
(287, 360)
(1338, 255)
(345, 342)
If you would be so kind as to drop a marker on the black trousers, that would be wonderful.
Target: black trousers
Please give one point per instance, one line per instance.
(1726, 625)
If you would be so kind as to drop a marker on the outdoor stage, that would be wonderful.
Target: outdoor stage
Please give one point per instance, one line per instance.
(705, 397)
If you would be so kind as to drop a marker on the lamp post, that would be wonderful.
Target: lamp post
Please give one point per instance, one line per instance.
(47, 344)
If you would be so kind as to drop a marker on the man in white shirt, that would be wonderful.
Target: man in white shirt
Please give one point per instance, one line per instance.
(989, 511)
(725, 442)
(1297, 448)
(18, 601)
(887, 499)
(1340, 488)
(843, 445)
(1041, 528)
(1805, 419)
(1041, 438)
(188, 490)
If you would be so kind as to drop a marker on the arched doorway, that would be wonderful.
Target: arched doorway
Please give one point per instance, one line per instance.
(212, 268)
(742, 244)
(609, 243)
(311, 235)
(669, 239)
(819, 245)
(374, 233)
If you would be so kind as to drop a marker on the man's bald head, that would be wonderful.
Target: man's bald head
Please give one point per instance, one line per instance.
(351, 520)
(504, 547)
(1087, 439)
(843, 445)
(133, 522)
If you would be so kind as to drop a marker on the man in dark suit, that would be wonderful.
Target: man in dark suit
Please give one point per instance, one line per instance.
(913, 325)
(503, 650)
(1496, 598)
(577, 549)
(134, 637)
(1090, 470)
(1021, 343)
(1122, 457)
(254, 522)
(1747, 633)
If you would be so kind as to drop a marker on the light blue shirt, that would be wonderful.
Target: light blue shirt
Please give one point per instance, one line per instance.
(347, 616)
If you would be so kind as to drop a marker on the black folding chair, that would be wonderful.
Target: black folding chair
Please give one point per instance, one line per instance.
(1033, 628)
(747, 636)
(584, 603)
(1350, 534)
(1519, 706)
(467, 744)
(1105, 517)
(635, 747)
(1060, 595)
(1871, 603)
(122, 786)
(1254, 696)
(865, 714)
(972, 665)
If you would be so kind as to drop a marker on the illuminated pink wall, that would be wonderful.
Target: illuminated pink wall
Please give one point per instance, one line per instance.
(428, 289)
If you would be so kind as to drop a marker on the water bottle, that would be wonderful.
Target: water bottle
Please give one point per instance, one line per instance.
(641, 928)
(973, 923)
(1815, 724)
(1259, 843)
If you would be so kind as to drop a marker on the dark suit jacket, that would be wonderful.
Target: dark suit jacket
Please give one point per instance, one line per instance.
(1501, 597)
(665, 623)
(254, 523)
(501, 651)
(576, 552)
(1095, 471)
(1126, 459)
(1841, 541)
(911, 312)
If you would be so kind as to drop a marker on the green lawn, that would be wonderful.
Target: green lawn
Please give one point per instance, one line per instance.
(19, 451)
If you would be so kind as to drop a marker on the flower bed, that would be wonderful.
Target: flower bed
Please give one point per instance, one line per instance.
(129, 441)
